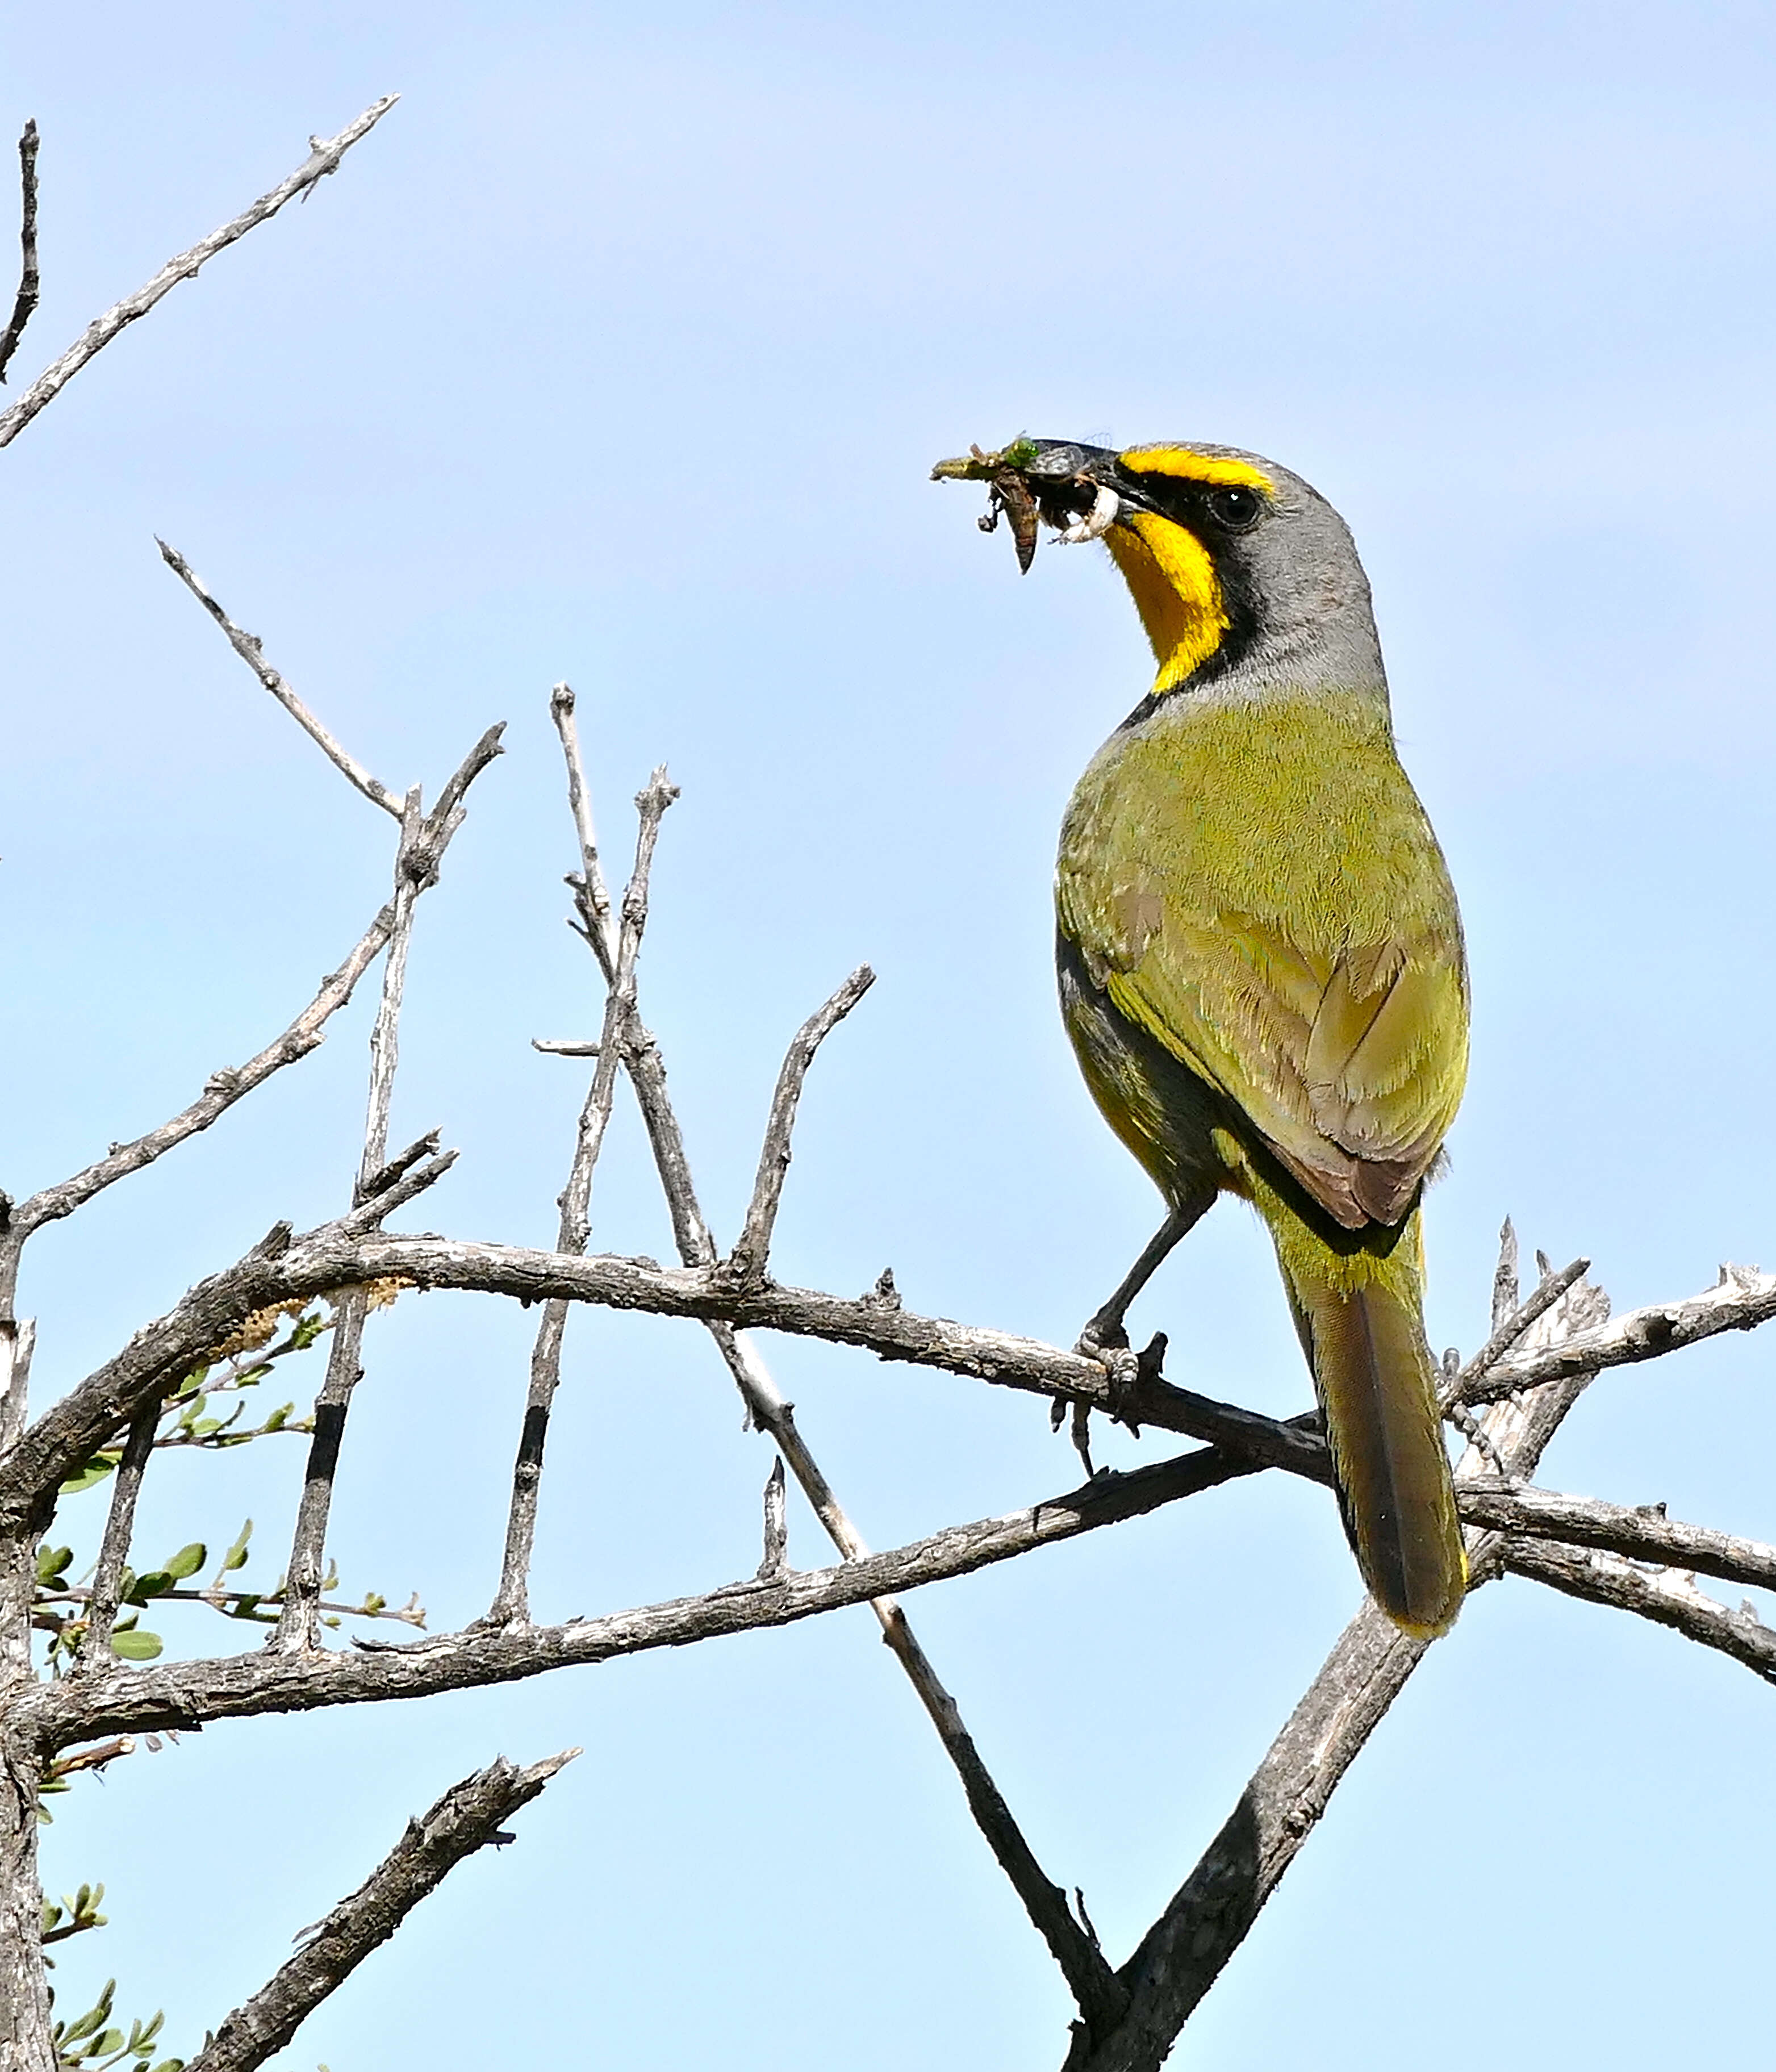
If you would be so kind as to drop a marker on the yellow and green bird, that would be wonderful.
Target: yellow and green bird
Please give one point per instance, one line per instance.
(1260, 956)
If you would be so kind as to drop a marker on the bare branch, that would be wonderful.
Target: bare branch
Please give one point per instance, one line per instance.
(1642, 1534)
(1184, 1950)
(1511, 1331)
(16, 1339)
(298, 1620)
(251, 650)
(18, 1551)
(25, 300)
(1668, 1597)
(221, 1091)
(512, 1600)
(751, 1252)
(187, 1694)
(601, 926)
(324, 157)
(775, 1563)
(465, 1818)
(101, 1607)
(1740, 1300)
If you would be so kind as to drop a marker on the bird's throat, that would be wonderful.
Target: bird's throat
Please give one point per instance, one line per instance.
(1172, 580)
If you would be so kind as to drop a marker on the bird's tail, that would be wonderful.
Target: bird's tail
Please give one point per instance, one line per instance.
(1360, 1314)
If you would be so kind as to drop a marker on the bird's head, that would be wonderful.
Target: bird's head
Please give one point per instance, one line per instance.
(1230, 558)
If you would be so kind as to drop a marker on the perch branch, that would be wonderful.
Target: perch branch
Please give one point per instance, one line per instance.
(324, 157)
(25, 302)
(465, 1818)
(158, 1697)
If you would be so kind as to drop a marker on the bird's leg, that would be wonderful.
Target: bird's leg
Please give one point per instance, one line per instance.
(1105, 1333)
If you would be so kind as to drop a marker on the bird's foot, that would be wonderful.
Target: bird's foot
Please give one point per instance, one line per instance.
(1102, 1339)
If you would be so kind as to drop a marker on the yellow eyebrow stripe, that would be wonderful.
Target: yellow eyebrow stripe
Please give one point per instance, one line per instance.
(1193, 466)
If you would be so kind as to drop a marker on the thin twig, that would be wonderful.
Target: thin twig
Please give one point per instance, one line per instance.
(1512, 1329)
(298, 1625)
(249, 648)
(465, 1818)
(324, 157)
(221, 1091)
(751, 1252)
(1740, 1300)
(594, 899)
(106, 1593)
(512, 1600)
(776, 1556)
(25, 300)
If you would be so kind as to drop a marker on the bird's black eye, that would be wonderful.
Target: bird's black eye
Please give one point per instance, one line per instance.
(1234, 507)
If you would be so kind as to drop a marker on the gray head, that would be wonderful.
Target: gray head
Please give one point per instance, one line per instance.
(1236, 565)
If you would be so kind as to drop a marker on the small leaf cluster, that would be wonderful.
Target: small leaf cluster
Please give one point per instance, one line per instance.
(89, 2043)
(193, 1416)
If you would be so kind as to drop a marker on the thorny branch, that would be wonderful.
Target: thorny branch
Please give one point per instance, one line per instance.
(25, 300)
(465, 1818)
(324, 157)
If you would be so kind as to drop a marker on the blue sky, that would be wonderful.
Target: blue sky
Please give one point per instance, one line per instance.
(620, 353)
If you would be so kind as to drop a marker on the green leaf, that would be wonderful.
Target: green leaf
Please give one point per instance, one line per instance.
(237, 1556)
(247, 1607)
(187, 1561)
(95, 1470)
(52, 1562)
(102, 2046)
(306, 1330)
(155, 1583)
(93, 2019)
(136, 1647)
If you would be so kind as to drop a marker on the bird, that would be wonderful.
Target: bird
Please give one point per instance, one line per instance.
(1259, 954)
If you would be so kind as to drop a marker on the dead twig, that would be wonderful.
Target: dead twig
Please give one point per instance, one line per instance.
(25, 302)
(324, 157)
(465, 1818)
(751, 1253)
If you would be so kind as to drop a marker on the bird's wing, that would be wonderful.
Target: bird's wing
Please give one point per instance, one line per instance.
(1350, 1063)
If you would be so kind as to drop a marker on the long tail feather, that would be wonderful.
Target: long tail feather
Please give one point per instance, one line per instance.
(1361, 1320)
